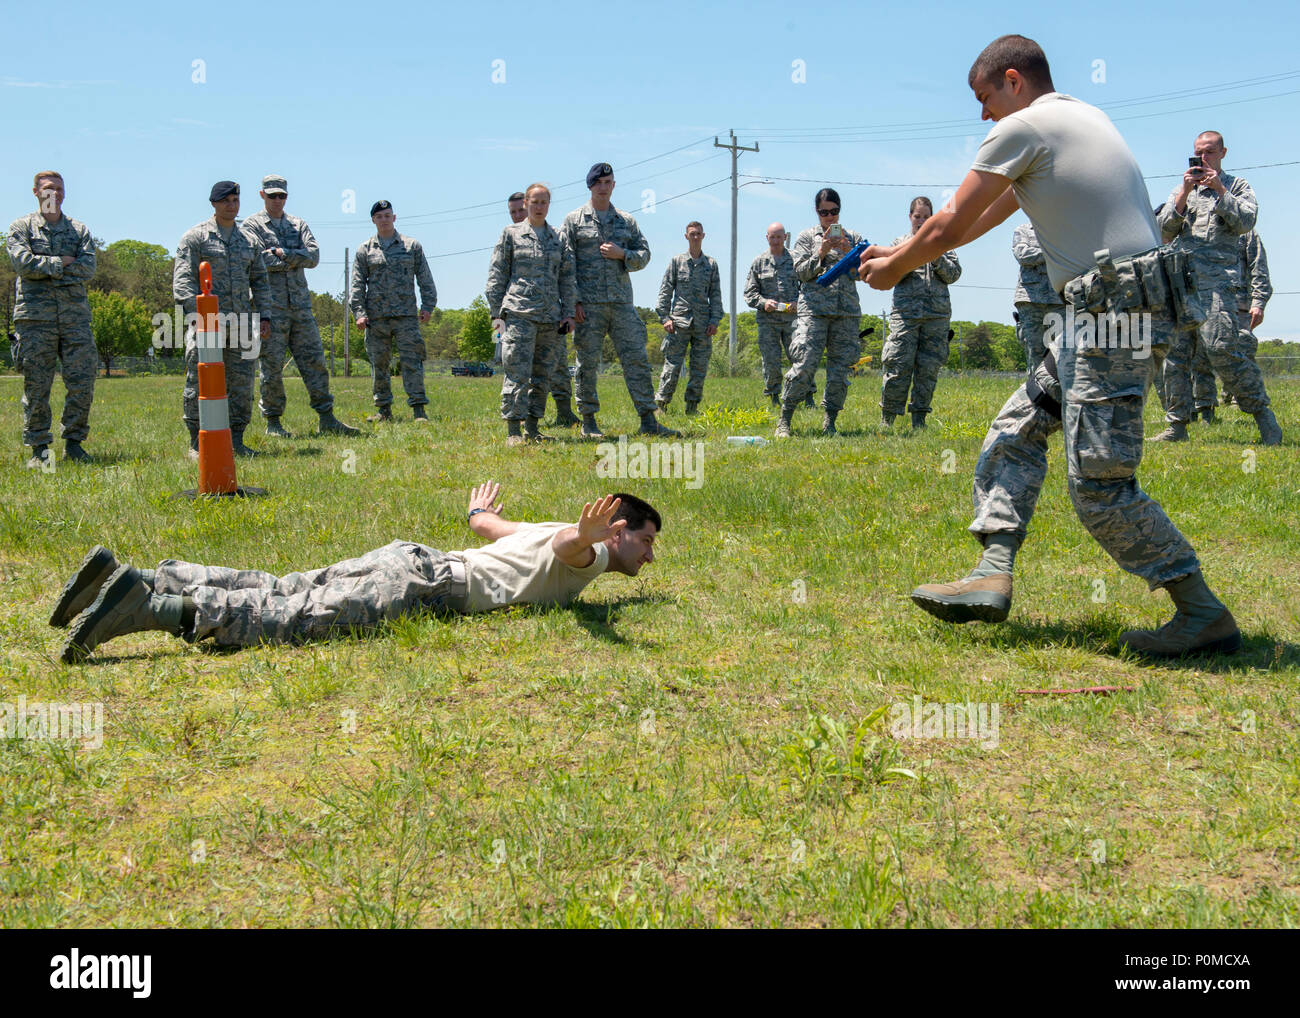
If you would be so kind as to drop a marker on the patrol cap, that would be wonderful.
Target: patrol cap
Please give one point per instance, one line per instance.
(273, 184)
(598, 171)
(222, 188)
(380, 206)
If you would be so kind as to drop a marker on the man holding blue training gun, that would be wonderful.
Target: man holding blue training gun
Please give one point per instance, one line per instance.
(828, 314)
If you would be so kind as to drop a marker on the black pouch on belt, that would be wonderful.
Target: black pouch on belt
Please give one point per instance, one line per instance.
(1043, 386)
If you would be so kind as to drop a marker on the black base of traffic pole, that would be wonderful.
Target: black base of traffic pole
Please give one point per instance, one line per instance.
(193, 493)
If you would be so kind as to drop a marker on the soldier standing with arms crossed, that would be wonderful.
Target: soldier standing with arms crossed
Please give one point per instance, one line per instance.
(1204, 216)
(607, 245)
(772, 290)
(385, 272)
(53, 256)
(690, 307)
(1034, 298)
(530, 294)
(288, 248)
(235, 257)
(917, 346)
(1064, 163)
(828, 320)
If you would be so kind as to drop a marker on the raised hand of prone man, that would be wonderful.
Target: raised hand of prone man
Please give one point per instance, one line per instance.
(483, 497)
(594, 524)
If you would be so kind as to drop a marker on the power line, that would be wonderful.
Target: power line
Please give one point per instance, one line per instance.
(496, 202)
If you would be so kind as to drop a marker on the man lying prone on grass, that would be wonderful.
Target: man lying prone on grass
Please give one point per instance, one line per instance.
(526, 563)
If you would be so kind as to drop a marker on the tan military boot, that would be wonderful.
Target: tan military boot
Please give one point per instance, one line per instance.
(1183, 635)
(987, 599)
(1176, 432)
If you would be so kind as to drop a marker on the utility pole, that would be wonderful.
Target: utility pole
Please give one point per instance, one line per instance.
(347, 315)
(735, 149)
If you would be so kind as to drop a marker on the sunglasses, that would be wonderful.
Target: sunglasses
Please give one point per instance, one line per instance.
(829, 212)
(277, 197)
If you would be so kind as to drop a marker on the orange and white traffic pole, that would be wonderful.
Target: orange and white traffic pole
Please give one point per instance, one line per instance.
(216, 448)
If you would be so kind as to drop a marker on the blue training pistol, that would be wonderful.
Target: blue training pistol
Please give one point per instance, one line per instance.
(848, 263)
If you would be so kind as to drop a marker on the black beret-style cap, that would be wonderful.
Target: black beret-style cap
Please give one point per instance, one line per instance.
(598, 171)
(222, 188)
(380, 206)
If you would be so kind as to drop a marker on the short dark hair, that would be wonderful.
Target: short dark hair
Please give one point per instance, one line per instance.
(695, 222)
(827, 194)
(517, 196)
(636, 511)
(920, 200)
(1012, 51)
(1212, 134)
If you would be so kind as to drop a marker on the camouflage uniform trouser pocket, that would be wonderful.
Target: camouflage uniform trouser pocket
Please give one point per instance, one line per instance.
(1107, 438)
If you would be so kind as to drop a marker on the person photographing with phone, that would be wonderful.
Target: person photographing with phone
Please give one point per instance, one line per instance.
(1205, 216)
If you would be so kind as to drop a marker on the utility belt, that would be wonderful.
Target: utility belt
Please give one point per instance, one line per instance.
(1159, 280)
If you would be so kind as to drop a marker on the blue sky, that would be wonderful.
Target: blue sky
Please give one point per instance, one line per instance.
(398, 101)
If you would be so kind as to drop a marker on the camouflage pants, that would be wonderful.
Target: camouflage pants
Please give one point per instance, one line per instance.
(239, 383)
(628, 332)
(43, 348)
(1205, 393)
(837, 335)
(1029, 330)
(240, 607)
(774, 338)
(528, 352)
(1103, 392)
(674, 348)
(380, 336)
(561, 381)
(1220, 335)
(294, 332)
(912, 356)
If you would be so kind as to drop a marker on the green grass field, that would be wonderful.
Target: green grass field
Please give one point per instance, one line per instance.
(708, 744)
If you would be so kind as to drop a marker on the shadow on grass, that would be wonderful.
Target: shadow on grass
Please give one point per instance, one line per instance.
(1099, 634)
(599, 619)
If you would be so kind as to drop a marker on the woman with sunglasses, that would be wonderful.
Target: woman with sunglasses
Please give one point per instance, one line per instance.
(827, 318)
(917, 346)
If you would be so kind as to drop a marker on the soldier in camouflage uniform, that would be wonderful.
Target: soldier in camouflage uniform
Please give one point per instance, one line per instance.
(1204, 216)
(236, 259)
(917, 345)
(1034, 297)
(53, 256)
(690, 308)
(772, 290)
(607, 245)
(288, 249)
(1253, 289)
(385, 272)
(526, 563)
(1064, 163)
(828, 317)
(530, 294)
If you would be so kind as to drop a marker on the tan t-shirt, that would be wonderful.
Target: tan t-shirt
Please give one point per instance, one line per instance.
(1076, 179)
(522, 569)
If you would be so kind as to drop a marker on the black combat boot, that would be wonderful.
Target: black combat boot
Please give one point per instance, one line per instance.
(237, 442)
(564, 415)
(274, 427)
